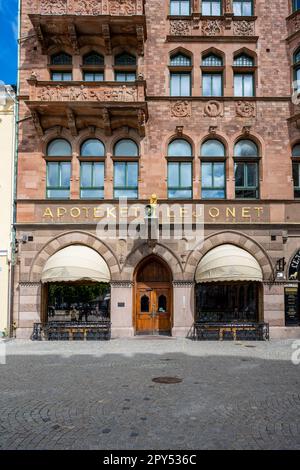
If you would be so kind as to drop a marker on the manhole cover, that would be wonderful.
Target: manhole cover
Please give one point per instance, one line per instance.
(167, 380)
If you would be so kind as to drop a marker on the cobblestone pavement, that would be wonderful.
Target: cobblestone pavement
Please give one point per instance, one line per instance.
(101, 395)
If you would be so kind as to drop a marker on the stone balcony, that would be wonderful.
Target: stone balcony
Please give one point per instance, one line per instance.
(77, 105)
(225, 28)
(75, 23)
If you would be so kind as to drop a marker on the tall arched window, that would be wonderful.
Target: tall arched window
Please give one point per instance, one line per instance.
(244, 75)
(125, 67)
(179, 169)
(180, 7)
(64, 62)
(58, 172)
(243, 7)
(246, 156)
(126, 153)
(93, 67)
(296, 66)
(296, 169)
(211, 7)
(180, 75)
(92, 155)
(213, 170)
(212, 75)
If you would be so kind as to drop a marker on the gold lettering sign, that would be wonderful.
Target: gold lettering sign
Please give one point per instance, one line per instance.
(214, 212)
(246, 212)
(230, 212)
(61, 211)
(75, 212)
(48, 213)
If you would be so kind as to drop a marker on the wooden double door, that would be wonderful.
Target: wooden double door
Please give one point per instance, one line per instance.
(153, 308)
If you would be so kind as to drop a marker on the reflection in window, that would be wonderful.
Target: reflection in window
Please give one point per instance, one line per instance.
(179, 148)
(92, 180)
(92, 148)
(59, 148)
(180, 84)
(179, 180)
(296, 5)
(213, 180)
(180, 7)
(58, 180)
(243, 7)
(126, 180)
(212, 84)
(162, 303)
(211, 7)
(243, 84)
(126, 148)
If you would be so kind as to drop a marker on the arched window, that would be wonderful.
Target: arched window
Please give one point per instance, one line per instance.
(296, 169)
(212, 60)
(243, 7)
(246, 169)
(180, 148)
(92, 148)
(180, 60)
(59, 148)
(213, 170)
(145, 303)
(58, 172)
(62, 60)
(126, 172)
(126, 148)
(180, 7)
(211, 7)
(92, 172)
(244, 75)
(243, 60)
(127, 63)
(212, 78)
(93, 58)
(180, 75)
(179, 170)
(93, 67)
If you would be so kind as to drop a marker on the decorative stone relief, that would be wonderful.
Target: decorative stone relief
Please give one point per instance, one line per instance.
(82, 93)
(122, 7)
(180, 27)
(212, 27)
(88, 7)
(181, 109)
(243, 28)
(245, 109)
(54, 7)
(213, 109)
(294, 24)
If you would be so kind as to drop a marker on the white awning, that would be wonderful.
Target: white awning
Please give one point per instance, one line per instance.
(228, 263)
(76, 263)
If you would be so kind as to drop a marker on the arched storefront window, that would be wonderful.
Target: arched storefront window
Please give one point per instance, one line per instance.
(213, 170)
(92, 169)
(126, 171)
(246, 156)
(58, 172)
(180, 169)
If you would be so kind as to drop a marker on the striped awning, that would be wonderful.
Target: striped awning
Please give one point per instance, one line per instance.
(76, 263)
(228, 263)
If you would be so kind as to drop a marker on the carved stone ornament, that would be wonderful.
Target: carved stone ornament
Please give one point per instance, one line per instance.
(54, 7)
(212, 27)
(82, 93)
(213, 108)
(294, 24)
(245, 109)
(243, 28)
(181, 109)
(88, 7)
(63, 7)
(122, 7)
(180, 27)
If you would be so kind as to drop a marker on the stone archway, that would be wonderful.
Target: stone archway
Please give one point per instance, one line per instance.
(73, 238)
(234, 238)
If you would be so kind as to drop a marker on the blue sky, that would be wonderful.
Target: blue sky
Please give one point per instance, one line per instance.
(8, 40)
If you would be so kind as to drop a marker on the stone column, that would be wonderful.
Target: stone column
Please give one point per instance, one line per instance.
(29, 308)
(273, 304)
(183, 308)
(121, 309)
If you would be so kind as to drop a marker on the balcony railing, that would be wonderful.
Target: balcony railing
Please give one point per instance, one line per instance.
(91, 7)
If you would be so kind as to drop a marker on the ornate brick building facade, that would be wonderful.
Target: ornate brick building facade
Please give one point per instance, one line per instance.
(190, 100)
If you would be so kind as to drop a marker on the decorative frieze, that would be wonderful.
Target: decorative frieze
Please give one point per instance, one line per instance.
(181, 109)
(212, 27)
(243, 28)
(245, 109)
(213, 108)
(91, 7)
(180, 27)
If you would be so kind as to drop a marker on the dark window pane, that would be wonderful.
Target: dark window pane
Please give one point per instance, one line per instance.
(93, 76)
(239, 174)
(93, 58)
(125, 59)
(61, 59)
(125, 76)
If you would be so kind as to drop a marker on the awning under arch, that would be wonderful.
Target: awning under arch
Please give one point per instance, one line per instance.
(76, 263)
(228, 263)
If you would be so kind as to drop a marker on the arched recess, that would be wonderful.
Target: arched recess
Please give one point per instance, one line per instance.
(234, 238)
(143, 251)
(153, 294)
(73, 238)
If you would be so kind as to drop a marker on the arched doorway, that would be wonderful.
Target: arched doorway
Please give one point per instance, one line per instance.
(153, 297)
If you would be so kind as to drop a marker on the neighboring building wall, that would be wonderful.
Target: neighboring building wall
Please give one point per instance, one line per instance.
(7, 139)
